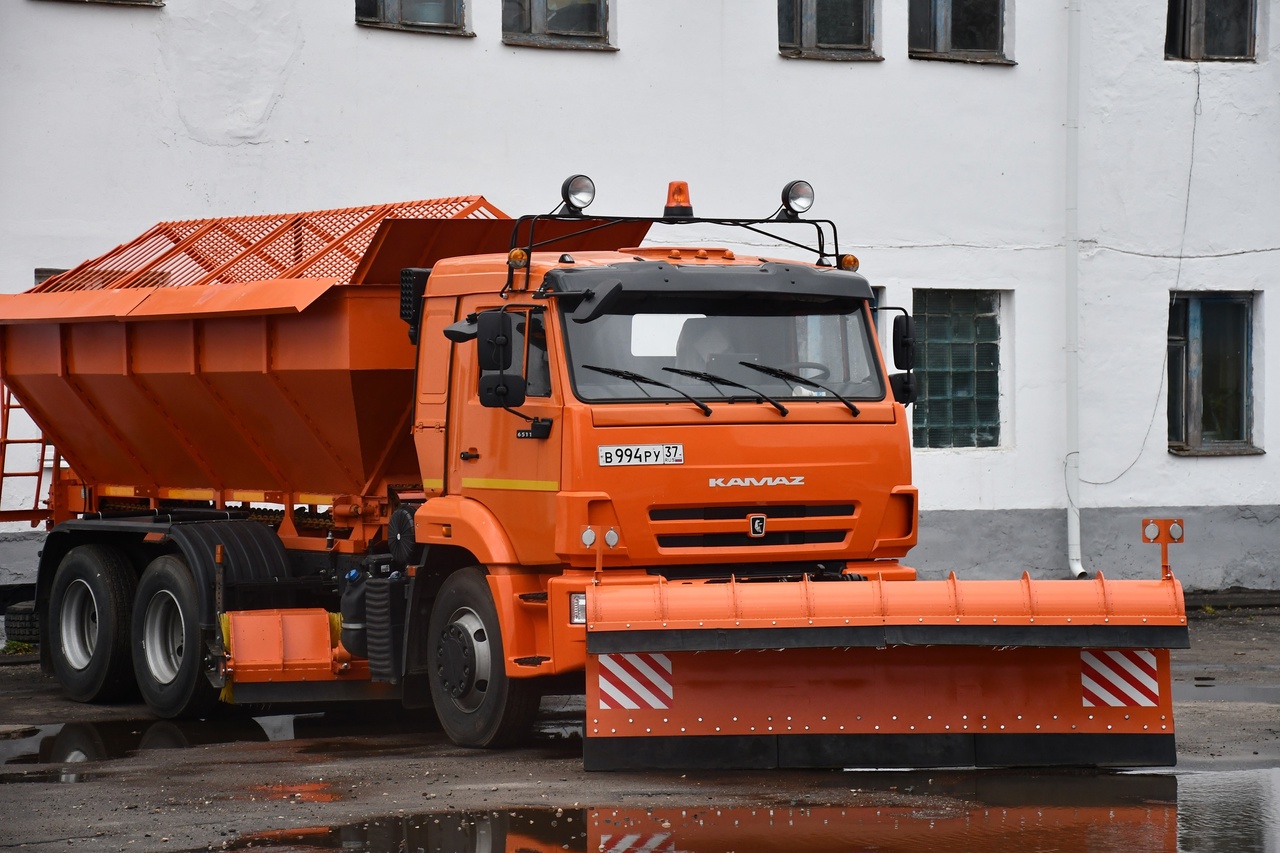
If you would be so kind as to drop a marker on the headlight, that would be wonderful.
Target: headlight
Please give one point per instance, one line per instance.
(577, 608)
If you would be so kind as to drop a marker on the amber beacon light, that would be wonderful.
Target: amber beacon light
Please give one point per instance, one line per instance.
(679, 205)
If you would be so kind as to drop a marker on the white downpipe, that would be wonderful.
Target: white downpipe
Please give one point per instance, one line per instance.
(1072, 292)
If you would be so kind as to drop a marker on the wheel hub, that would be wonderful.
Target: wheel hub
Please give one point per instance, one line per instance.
(463, 660)
(79, 624)
(164, 636)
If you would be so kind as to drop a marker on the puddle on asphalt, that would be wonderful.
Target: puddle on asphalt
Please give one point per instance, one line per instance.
(301, 792)
(332, 731)
(987, 811)
(75, 743)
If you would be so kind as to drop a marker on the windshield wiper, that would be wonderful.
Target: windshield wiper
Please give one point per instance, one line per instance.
(779, 373)
(641, 379)
(720, 380)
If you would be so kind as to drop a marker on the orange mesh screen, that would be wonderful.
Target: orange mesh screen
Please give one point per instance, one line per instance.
(317, 244)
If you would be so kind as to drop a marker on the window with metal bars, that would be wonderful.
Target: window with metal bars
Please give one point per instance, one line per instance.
(957, 30)
(447, 17)
(957, 368)
(1210, 354)
(1211, 29)
(826, 29)
(556, 23)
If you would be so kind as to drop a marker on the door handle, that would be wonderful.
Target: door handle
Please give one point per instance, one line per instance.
(468, 455)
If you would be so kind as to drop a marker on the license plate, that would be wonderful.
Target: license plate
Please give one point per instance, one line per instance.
(641, 454)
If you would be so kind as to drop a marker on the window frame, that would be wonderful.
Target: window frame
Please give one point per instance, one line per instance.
(807, 46)
(1002, 312)
(1184, 38)
(390, 16)
(1186, 377)
(852, 340)
(940, 49)
(538, 34)
(152, 3)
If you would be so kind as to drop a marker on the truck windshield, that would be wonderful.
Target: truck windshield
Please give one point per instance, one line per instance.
(687, 342)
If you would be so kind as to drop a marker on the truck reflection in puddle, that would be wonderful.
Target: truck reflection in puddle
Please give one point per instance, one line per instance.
(74, 744)
(964, 812)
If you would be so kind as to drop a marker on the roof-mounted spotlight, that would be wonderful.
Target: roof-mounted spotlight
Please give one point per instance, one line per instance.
(577, 192)
(797, 198)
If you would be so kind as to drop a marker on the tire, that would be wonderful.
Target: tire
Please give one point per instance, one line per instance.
(90, 604)
(478, 705)
(22, 623)
(168, 655)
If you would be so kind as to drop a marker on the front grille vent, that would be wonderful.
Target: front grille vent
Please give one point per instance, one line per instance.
(729, 513)
(742, 540)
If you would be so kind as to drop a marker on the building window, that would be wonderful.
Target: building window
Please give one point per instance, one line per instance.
(957, 368)
(432, 16)
(556, 23)
(1210, 29)
(957, 30)
(1210, 398)
(826, 29)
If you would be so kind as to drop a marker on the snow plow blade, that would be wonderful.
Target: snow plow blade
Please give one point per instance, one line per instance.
(881, 673)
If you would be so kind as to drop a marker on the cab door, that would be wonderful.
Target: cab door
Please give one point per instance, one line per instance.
(509, 459)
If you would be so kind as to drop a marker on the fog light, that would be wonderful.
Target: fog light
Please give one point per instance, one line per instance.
(577, 608)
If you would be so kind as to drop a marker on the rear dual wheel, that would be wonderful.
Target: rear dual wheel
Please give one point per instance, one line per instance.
(168, 656)
(477, 703)
(90, 605)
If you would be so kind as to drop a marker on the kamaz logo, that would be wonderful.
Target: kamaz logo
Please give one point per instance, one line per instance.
(724, 482)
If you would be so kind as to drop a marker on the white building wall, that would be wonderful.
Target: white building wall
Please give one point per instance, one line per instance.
(939, 174)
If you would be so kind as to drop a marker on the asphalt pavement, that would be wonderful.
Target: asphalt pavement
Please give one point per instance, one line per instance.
(92, 777)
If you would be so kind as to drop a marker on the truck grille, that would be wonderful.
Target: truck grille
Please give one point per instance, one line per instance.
(741, 540)
(720, 513)
(786, 525)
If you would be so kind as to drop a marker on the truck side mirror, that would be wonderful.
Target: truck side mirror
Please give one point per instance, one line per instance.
(904, 387)
(413, 283)
(904, 342)
(502, 391)
(494, 340)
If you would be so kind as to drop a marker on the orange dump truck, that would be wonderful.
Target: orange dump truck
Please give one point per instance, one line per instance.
(675, 479)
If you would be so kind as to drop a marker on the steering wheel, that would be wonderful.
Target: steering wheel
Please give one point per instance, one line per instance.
(823, 371)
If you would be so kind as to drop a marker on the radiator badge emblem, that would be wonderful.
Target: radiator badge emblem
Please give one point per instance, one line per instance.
(725, 482)
(757, 525)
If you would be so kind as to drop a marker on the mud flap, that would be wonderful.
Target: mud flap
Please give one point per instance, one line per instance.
(803, 692)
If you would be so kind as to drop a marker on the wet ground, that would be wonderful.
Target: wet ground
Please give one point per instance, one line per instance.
(373, 778)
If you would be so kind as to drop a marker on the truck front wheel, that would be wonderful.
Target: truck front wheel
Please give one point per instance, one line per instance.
(478, 705)
(89, 606)
(167, 653)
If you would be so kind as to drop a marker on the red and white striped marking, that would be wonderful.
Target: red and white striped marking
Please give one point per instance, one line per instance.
(637, 843)
(1125, 678)
(635, 681)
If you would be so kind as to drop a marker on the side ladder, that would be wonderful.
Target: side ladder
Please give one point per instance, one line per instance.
(23, 459)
